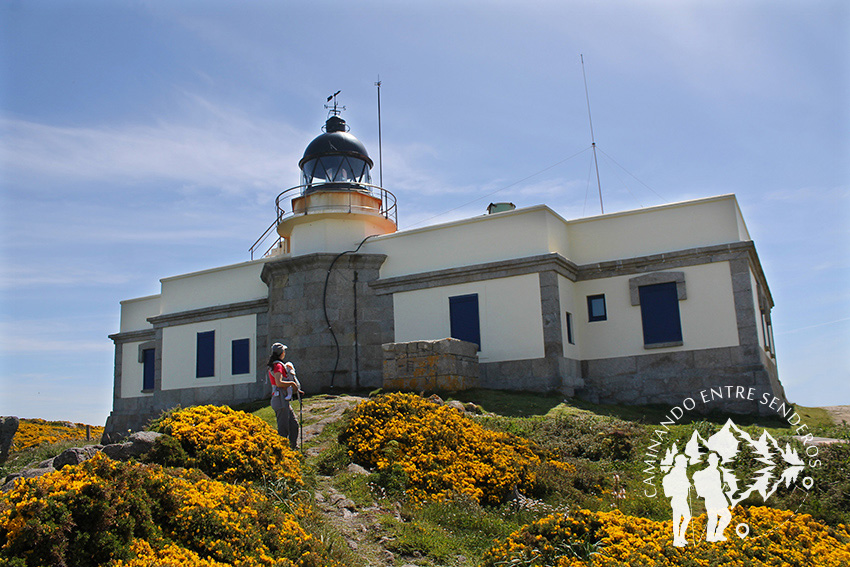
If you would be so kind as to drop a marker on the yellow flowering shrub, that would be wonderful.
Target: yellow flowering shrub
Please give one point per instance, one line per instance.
(37, 432)
(230, 445)
(127, 514)
(608, 539)
(441, 451)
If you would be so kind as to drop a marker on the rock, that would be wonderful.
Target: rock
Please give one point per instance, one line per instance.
(143, 441)
(138, 444)
(456, 405)
(357, 469)
(76, 455)
(8, 428)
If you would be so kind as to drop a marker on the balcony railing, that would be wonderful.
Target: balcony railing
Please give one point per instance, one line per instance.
(349, 193)
(346, 201)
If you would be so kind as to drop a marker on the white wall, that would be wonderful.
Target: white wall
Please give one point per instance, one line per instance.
(760, 329)
(135, 313)
(707, 315)
(326, 232)
(567, 294)
(539, 230)
(643, 232)
(180, 345)
(132, 371)
(488, 238)
(221, 286)
(509, 314)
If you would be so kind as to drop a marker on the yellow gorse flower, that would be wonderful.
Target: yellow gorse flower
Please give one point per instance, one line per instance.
(231, 445)
(127, 514)
(37, 432)
(608, 539)
(443, 452)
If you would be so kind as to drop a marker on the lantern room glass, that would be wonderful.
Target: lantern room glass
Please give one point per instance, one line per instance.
(335, 169)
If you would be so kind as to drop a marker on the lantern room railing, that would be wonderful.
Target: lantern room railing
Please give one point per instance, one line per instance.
(348, 203)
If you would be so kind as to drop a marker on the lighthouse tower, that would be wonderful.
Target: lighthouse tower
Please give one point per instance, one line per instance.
(321, 304)
(336, 206)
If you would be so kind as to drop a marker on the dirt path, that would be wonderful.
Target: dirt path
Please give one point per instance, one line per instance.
(360, 526)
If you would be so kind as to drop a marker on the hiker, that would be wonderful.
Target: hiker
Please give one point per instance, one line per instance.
(709, 484)
(676, 487)
(284, 385)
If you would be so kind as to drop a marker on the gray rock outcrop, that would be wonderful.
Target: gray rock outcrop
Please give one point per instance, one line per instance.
(137, 445)
(8, 428)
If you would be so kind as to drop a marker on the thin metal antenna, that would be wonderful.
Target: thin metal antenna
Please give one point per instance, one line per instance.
(592, 139)
(380, 152)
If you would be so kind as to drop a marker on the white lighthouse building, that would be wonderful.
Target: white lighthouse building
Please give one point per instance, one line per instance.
(635, 307)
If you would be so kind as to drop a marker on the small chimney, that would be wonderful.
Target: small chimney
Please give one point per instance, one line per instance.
(500, 208)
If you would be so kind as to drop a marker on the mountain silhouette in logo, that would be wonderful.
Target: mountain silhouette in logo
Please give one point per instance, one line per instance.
(780, 465)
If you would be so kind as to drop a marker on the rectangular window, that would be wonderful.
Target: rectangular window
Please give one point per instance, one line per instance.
(240, 357)
(570, 338)
(148, 369)
(205, 355)
(659, 312)
(596, 308)
(463, 317)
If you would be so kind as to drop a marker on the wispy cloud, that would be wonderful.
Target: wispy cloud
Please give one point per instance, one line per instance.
(24, 276)
(51, 336)
(222, 148)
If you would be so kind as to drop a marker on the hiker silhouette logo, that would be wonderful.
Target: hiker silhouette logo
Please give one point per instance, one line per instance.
(707, 469)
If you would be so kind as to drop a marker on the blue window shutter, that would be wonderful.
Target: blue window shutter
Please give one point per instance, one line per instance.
(240, 357)
(205, 361)
(463, 317)
(148, 369)
(659, 311)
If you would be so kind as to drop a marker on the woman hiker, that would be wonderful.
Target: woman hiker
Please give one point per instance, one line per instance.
(284, 384)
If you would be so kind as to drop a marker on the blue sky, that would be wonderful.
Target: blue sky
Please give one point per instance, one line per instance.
(140, 140)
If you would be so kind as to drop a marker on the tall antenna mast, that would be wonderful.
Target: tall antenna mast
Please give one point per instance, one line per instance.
(380, 153)
(592, 139)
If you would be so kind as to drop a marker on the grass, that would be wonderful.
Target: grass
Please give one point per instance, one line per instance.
(30, 457)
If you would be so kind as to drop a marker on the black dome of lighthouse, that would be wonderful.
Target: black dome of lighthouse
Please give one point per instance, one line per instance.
(335, 157)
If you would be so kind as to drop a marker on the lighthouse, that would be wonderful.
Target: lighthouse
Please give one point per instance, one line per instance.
(336, 205)
(652, 305)
(320, 300)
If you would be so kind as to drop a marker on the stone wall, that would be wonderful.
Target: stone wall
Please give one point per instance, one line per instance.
(442, 365)
(302, 290)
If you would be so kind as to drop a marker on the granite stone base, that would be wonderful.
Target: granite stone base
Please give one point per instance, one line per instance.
(431, 366)
(669, 378)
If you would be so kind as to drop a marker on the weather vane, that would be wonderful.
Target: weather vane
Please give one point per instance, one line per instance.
(335, 109)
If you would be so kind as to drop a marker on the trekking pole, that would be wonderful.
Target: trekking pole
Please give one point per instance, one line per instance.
(301, 419)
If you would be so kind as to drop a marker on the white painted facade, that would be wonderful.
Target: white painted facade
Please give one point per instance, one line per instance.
(179, 353)
(504, 259)
(510, 316)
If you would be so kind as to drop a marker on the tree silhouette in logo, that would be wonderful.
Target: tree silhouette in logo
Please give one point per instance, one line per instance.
(716, 482)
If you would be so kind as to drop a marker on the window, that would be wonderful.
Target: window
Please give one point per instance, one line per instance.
(570, 338)
(596, 308)
(463, 317)
(767, 333)
(659, 311)
(240, 357)
(148, 369)
(205, 355)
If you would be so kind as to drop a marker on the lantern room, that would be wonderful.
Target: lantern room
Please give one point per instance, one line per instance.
(336, 205)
